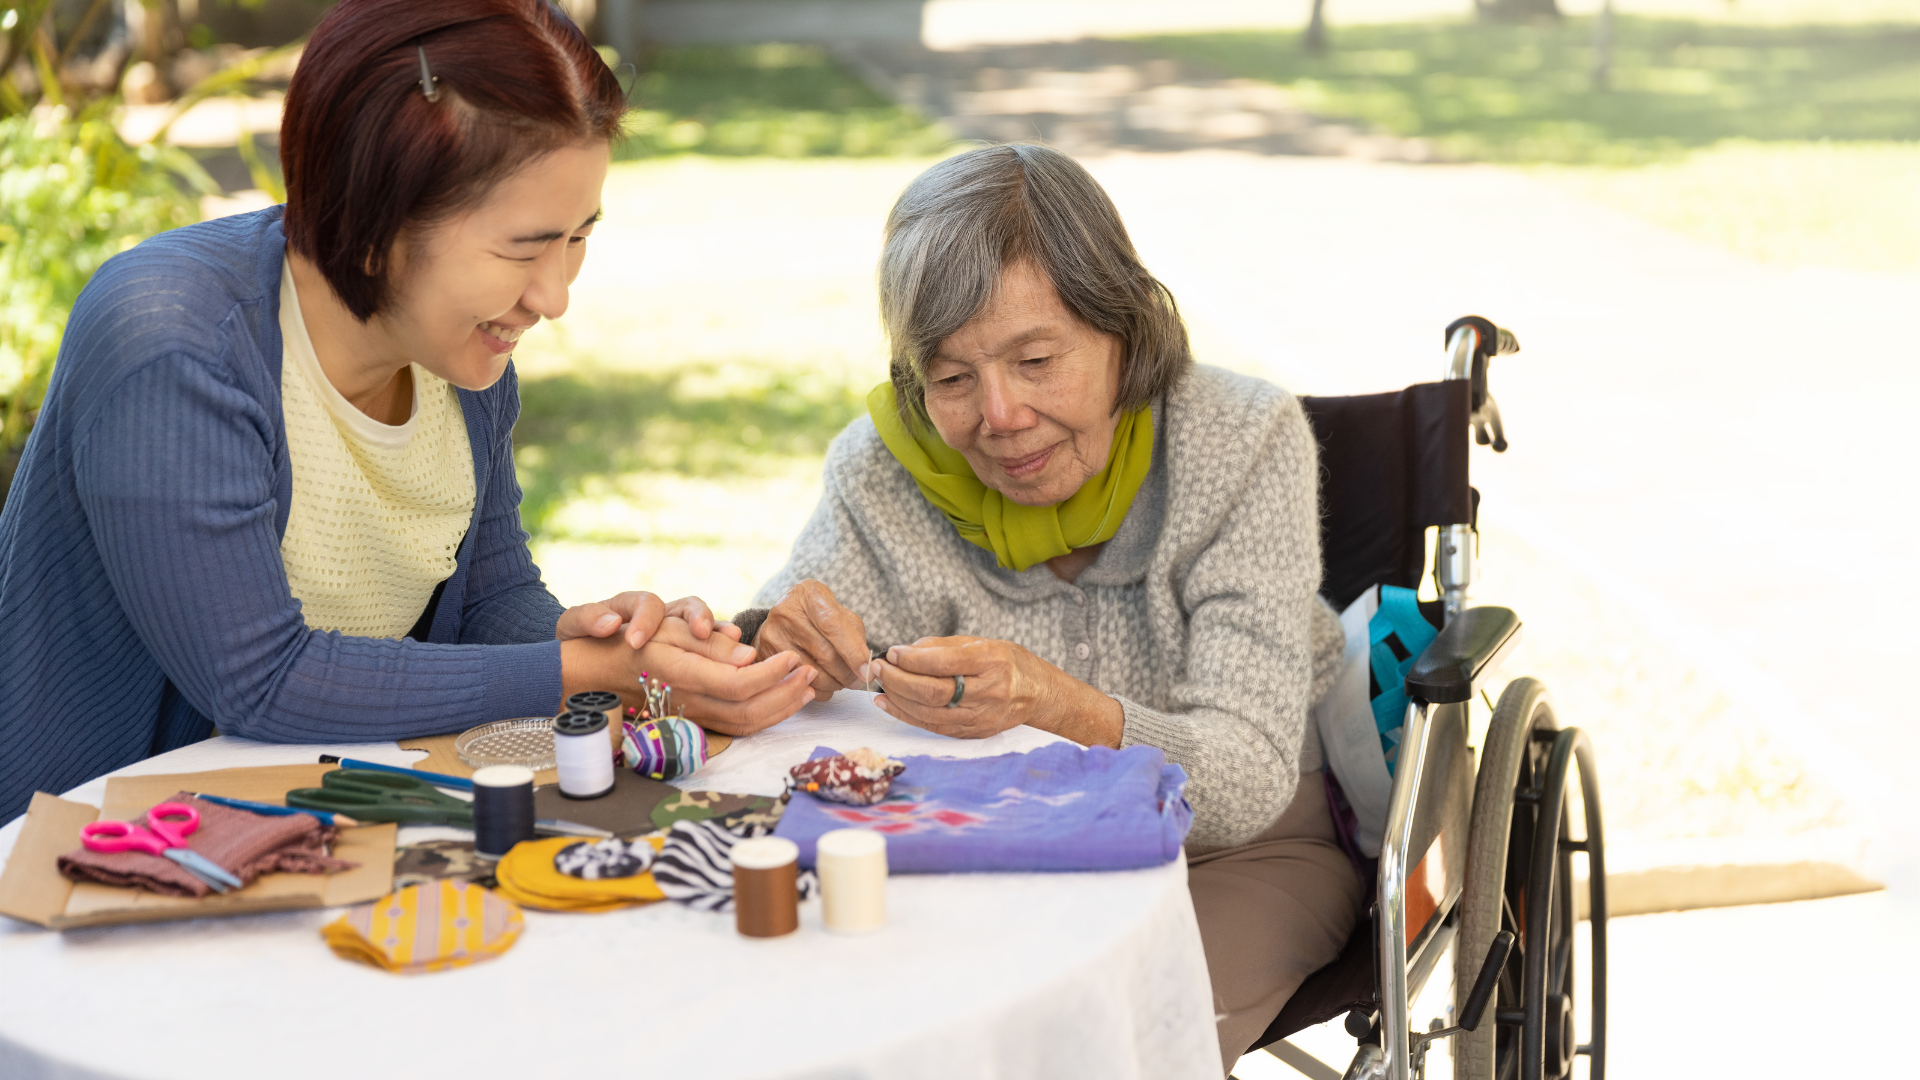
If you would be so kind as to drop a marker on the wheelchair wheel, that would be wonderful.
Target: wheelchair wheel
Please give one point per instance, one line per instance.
(1520, 879)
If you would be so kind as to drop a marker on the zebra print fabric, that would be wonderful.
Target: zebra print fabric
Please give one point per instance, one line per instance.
(695, 867)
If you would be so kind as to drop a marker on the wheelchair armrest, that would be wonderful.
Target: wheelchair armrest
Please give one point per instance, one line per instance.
(1470, 646)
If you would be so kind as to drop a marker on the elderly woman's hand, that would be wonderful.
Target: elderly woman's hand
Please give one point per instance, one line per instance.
(808, 621)
(1005, 686)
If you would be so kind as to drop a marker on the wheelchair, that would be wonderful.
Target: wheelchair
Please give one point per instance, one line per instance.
(1479, 863)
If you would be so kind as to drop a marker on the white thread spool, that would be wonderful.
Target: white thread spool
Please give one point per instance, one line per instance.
(852, 864)
(583, 754)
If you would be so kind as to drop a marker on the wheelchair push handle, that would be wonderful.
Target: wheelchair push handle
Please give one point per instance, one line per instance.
(1472, 342)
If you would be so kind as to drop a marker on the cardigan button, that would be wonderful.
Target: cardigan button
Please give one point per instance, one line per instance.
(1082, 651)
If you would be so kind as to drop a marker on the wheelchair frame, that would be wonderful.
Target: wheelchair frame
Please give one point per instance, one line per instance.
(1511, 888)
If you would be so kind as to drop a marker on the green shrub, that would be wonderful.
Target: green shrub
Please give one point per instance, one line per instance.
(72, 195)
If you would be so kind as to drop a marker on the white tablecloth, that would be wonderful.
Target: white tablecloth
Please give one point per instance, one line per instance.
(976, 975)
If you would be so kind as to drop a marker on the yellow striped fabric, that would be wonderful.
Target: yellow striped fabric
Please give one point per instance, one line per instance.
(431, 927)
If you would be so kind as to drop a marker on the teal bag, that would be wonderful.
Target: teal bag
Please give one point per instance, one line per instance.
(1397, 635)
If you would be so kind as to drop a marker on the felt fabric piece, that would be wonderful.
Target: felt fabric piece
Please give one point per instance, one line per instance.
(702, 805)
(604, 860)
(625, 811)
(1060, 807)
(433, 860)
(858, 777)
(421, 928)
(243, 843)
(1019, 536)
(527, 876)
(695, 869)
(663, 748)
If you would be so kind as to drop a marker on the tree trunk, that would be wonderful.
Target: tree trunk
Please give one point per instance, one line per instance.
(1603, 48)
(1518, 10)
(1315, 41)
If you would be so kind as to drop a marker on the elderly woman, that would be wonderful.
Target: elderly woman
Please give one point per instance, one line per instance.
(1053, 518)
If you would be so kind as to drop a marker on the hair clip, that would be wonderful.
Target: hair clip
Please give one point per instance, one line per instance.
(429, 85)
(633, 81)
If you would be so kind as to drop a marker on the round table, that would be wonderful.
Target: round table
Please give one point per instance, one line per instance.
(1003, 975)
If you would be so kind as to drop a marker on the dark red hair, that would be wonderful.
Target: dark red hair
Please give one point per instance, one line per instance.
(367, 154)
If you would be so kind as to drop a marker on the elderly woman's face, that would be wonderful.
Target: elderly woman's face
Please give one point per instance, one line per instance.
(1025, 392)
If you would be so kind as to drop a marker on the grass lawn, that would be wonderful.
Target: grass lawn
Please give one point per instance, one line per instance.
(777, 100)
(1852, 205)
(1488, 92)
(1792, 144)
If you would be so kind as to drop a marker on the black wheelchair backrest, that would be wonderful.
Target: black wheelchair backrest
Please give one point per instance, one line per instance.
(1390, 466)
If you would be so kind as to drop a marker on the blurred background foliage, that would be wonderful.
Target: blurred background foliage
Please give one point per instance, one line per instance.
(770, 100)
(1527, 92)
(72, 195)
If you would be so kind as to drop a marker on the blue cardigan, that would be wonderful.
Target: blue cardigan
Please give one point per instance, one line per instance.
(142, 596)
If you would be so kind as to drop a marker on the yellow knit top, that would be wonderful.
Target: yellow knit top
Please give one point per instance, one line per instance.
(378, 511)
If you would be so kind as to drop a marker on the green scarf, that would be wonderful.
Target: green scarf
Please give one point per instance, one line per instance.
(1019, 536)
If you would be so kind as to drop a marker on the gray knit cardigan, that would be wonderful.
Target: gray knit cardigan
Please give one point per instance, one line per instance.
(1201, 615)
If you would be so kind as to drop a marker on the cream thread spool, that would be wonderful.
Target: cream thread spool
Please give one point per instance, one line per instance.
(766, 886)
(852, 864)
(582, 753)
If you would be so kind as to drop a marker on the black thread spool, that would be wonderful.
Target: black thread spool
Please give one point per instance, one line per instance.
(582, 753)
(601, 701)
(502, 809)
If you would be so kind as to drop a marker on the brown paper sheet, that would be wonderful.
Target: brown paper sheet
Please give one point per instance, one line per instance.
(33, 890)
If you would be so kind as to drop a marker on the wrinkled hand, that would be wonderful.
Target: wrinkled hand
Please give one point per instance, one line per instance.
(809, 622)
(640, 613)
(1006, 686)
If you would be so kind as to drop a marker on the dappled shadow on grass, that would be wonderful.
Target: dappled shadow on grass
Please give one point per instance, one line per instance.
(1527, 93)
(775, 100)
(589, 427)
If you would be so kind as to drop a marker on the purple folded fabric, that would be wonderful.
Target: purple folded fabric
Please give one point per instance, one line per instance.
(1061, 807)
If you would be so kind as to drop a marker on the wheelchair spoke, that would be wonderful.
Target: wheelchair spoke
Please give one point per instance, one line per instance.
(1560, 967)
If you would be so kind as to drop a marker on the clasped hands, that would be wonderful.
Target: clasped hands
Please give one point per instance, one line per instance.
(1006, 685)
(715, 679)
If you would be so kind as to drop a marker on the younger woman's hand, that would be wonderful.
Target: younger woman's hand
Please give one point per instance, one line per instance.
(640, 614)
(717, 683)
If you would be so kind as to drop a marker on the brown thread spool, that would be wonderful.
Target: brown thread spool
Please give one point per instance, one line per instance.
(766, 887)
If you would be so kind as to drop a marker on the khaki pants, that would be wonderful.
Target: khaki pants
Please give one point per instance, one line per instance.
(1271, 913)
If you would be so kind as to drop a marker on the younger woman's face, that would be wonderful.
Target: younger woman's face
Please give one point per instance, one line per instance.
(467, 289)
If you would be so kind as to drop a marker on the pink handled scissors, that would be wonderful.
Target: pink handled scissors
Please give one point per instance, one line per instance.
(168, 826)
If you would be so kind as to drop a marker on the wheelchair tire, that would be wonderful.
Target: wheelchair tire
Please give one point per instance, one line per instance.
(1518, 850)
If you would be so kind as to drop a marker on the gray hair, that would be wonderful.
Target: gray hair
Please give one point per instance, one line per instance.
(962, 222)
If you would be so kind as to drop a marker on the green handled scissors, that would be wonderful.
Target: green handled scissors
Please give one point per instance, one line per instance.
(375, 796)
